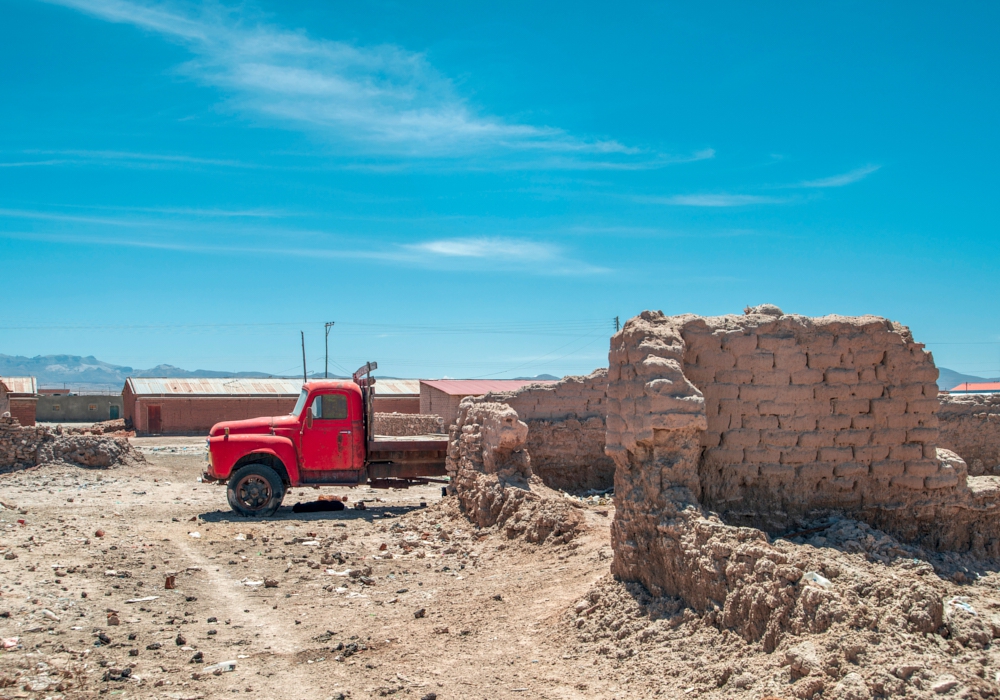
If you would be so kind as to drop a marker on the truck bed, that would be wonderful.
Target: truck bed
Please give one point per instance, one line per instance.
(407, 456)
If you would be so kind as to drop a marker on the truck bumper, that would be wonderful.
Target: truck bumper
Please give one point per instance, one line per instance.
(209, 479)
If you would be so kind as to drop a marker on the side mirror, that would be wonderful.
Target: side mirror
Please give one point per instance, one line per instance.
(309, 417)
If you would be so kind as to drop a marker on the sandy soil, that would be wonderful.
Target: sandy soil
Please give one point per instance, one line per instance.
(489, 605)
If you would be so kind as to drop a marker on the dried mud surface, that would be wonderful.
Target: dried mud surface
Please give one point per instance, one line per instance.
(502, 618)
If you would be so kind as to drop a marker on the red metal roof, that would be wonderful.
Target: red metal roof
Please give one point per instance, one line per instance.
(477, 387)
(20, 385)
(977, 386)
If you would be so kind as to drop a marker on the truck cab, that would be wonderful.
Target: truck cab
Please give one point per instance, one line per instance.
(325, 441)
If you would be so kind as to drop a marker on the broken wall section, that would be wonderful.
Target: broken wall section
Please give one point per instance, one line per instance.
(566, 431)
(28, 446)
(491, 474)
(970, 427)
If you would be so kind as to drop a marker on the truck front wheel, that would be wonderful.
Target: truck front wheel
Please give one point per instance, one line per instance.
(255, 490)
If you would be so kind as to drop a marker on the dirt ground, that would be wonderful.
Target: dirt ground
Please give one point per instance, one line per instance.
(405, 599)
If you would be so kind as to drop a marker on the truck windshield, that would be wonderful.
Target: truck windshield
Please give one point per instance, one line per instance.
(300, 404)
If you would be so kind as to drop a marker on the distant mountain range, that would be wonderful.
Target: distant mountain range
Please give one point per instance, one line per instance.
(948, 378)
(80, 373)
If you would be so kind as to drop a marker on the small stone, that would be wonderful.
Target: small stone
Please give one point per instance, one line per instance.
(198, 658)
(945, 684)
(99, 533)
(154, 646)
(420, 613)
(113, 620)
(180, 641)
(270, 583)
(133, 652)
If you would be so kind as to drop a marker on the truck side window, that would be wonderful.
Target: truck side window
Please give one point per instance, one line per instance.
(330, 407)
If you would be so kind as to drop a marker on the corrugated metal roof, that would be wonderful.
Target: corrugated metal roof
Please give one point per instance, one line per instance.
(158, 386)
(973, 387)
(397, 387)
(477, 387)
(20, 385)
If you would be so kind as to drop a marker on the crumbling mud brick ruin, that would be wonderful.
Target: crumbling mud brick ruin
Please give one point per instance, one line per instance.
(726, 428)
(970, 427)
(22, 447)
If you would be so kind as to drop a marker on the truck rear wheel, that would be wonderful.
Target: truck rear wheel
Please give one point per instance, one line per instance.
(255, 490)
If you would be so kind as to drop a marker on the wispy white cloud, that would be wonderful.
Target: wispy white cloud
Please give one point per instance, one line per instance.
(502, 248)
(117, 157)
(382, 99)
(713, 200)
(841, 180)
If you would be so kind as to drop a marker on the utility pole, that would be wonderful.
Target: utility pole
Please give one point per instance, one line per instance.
(617, 325)
(326, 367)
(305, 377)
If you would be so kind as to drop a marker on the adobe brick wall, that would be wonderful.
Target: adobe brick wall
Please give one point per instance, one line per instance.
(970, 426)
(23, 409)
(180, 415)
(566, 431)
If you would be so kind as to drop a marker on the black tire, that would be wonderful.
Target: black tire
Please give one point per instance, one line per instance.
(255, 490)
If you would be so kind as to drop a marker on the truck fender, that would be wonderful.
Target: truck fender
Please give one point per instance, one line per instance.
(229, 450)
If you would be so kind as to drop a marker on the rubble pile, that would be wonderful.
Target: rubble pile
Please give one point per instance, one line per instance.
(491, 474)
(409, 424)
(22, 447)
(118, 427)
(970, 427)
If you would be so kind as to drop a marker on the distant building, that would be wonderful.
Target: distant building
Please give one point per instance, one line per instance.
(442, 396)
(163, 406)
(67, 407)
(22, 395)
(976, 388)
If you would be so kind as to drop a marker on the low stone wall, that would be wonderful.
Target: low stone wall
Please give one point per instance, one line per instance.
(28, 446)
(970, 427)
(408, 424)
(491, 474)
(566, 431)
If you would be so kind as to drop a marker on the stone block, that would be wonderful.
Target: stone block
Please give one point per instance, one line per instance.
(887, 468)
(850, 470)
(797, 455)
(835, 454)
(922, 467)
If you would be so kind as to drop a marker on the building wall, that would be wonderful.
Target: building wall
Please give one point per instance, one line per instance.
(77, 409)
(436, 402)
(408, 424)
(396, 404)
(970, 426)
(197, 414)
(23, 409)
(566, 431)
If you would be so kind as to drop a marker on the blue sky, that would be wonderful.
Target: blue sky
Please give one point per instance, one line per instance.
(478, 189)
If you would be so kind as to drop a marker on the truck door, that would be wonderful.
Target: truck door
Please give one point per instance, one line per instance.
(327, 437)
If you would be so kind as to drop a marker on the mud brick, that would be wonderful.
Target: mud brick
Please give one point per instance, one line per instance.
(863, 422)
(776, 342)
(887, 468)
(710, 438)
(740, 438)
(761, 455)
(922, 467)
(779, 438)
(798, 455)
(807, 376)
(906, 391)
(778, 471)
(870, 453)
(777, 408)
(851, 407)
(827, 392)
(772, 377)
(839, 375)
(908, 481)
(924, 405)
(816, 470)
(869, 390)
(755, 361)
(823, 361)
(922, 435)
(907, 451)
(888, 436)
(930, 451)
(853, 437)
(888, 407)
(797, 422)
(739, 344)
(931, 391)
(866, 375)
(756, 392)
(835, 454)
(833, 422)
(905, 421)
(734, 376)
(817, 438)
(700, 375)
(722, 391)
(799, 393)
(724, 455)
(716, 360)
(761, 422)
(941, 481)
(850, 469)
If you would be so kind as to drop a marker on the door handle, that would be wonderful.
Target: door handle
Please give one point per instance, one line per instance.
(340, 439)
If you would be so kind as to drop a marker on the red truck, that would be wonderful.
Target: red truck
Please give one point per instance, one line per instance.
(327, 440)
